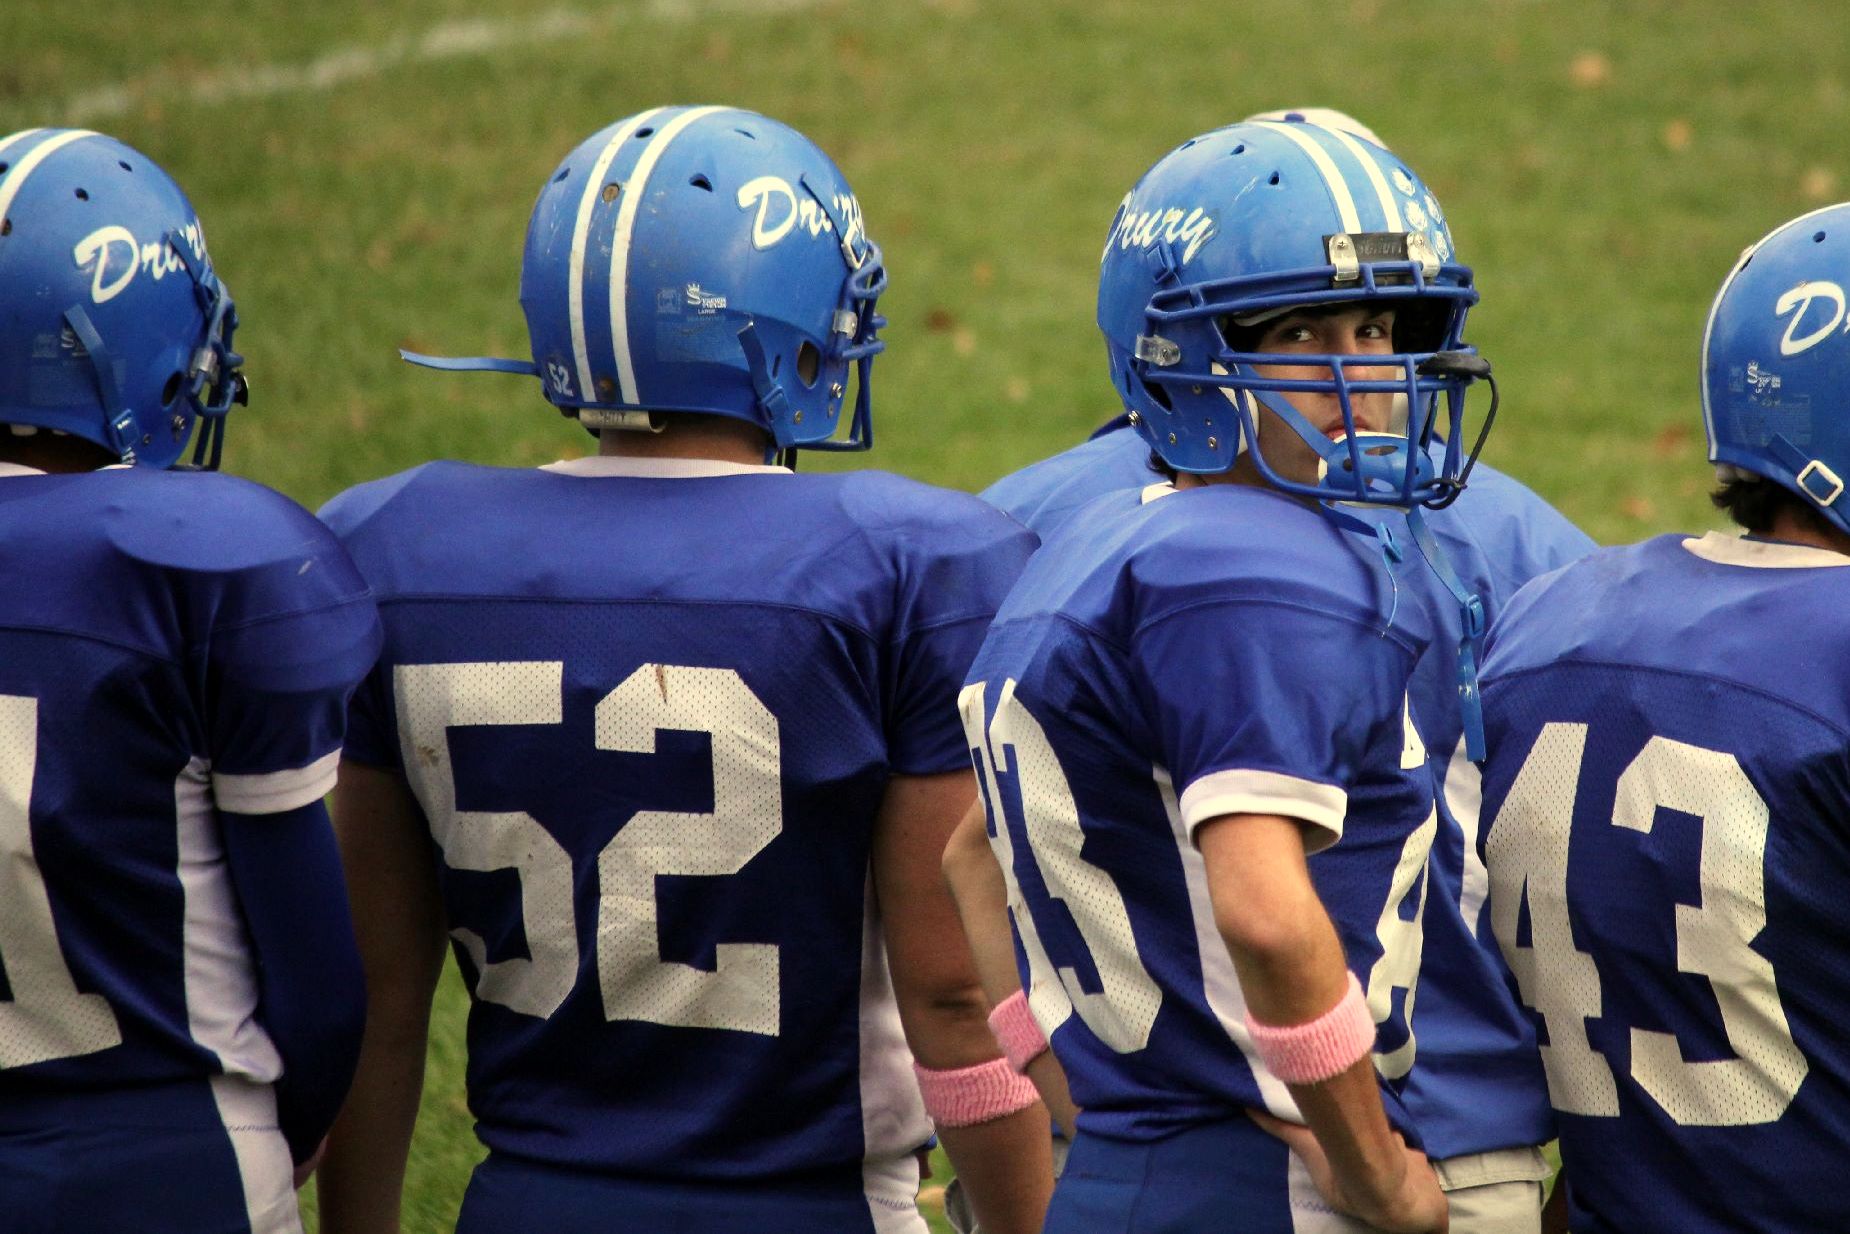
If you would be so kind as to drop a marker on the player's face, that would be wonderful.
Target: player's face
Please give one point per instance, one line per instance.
(1363, 330)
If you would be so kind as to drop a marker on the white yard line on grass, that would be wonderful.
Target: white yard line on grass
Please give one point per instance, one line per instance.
(448, 40)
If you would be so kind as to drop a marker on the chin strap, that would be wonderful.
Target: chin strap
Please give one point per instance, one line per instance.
(1470, 607)
(118, 421)
(470, 364)
(1471, 638)
(1383, 535)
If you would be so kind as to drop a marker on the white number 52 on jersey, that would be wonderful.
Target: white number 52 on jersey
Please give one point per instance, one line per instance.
(741, 992)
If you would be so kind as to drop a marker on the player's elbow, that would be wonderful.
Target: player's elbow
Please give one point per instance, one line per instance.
(947, 1023)
(1276, 936)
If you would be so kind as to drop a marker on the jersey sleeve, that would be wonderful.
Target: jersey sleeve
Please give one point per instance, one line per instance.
(1268, 708)
(372, 726)
(952, 582)
(290, 638)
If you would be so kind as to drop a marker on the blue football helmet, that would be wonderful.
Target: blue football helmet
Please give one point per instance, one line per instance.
(1253, 220)
(1776, 362)
(701, 259)
(113, 325)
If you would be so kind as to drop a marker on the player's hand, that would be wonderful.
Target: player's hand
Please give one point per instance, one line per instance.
(307, 1169)
(1418, 1208)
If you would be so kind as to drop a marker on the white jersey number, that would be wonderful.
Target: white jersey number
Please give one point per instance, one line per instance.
(1123, 1012)
(1528, 856)
(741, 992)
(47, 1017)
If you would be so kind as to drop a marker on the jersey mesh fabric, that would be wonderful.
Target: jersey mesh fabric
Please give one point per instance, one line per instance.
(1652, 717)
(651, 752)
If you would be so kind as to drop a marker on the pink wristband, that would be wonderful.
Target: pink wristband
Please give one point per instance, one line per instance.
(966, 1096)
(1325, 1047)
(1016, 1032)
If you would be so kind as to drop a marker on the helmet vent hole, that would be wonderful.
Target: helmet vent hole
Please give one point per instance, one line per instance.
(701, 182)
(171, 390)
(563, 173)
(6, 227)
(640, 133)
(1240, 149)
(611, 192)
(777, 365)
(3, 167)
(1185, 145)
(1817, 237)
(747, 134)
(1158, 395)
(809, 362)
(83, 195)
(124, 166)
(1274, 179)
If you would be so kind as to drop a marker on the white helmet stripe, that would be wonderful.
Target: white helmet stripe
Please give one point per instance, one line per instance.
(580, 233)
(9, 188)
(1389, 206)
(10, 138)
(1339, 188)
(620, 246)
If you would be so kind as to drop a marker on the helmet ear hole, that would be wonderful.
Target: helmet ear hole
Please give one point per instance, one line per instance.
(171, 391)
(1158, 395)
(809, 362)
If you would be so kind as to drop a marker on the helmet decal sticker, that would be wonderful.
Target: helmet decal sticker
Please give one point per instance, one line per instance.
(780, 209)
(119, 257)
(1762, 381)
(703, 301)
(1800, 299)
(1190, 228)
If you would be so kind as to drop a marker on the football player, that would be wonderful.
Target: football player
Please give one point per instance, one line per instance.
(1194, 684)
(1666, 793)
(182, 1003)
(666, 741)
(1477, 1093)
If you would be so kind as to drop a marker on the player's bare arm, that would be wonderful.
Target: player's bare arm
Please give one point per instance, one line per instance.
(1291, 970)
(398, 917)
(1005, 1162)
(981, 894)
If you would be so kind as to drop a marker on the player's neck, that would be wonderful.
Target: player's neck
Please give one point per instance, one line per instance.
(718, 438)
(45, 452)
(1795, 526)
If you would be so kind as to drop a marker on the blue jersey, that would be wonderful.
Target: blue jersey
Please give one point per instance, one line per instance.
(1667, 798)
(1477, 1086)
(1043, 495)
(650, 711)
(1167, 658)
(173, 646)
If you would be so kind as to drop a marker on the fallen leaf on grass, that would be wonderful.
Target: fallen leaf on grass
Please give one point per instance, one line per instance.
(1590, 70)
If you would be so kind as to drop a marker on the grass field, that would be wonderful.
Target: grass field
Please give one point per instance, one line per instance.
(365, 170)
